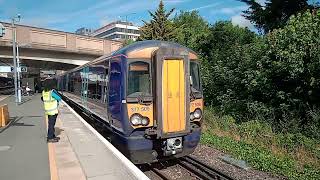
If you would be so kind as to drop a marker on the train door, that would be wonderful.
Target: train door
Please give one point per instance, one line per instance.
(171, 72)
(173, 91)
(114, 93)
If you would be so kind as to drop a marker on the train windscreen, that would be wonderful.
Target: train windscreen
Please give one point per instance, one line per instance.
(139, 79)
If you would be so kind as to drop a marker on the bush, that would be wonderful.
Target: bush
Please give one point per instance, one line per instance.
(293, 155)
(273, 79)
(261, 158)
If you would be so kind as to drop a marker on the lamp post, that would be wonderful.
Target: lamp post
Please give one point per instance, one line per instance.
(18, 74)
(19, 68)
(14, 41)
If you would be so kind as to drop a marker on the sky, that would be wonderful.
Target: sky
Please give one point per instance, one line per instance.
(69, 15)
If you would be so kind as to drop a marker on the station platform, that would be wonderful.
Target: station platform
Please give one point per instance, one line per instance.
(82, 153)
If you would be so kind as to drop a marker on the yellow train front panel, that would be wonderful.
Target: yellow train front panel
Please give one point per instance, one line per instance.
(173, 96)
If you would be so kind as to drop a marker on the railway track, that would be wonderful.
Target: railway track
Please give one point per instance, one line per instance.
(202, 170)
(160, 174)
(191, 168)
(190, 164)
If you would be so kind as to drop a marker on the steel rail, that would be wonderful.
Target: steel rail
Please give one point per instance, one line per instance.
(160, 174)
(201, 169)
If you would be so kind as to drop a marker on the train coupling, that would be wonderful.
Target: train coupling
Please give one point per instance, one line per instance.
(172, 146)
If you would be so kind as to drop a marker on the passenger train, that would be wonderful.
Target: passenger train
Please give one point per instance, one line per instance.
(147, 96)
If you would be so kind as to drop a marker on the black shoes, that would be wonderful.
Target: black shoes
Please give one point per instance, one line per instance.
(53, 140)
(57, 138)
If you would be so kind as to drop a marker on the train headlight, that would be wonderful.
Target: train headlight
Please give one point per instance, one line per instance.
(136, 119)
(197, 114)
(191, 116)
(145, 121)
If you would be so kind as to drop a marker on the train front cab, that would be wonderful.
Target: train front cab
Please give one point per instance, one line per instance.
(163, 104)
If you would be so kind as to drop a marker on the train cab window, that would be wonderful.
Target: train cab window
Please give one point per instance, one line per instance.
(195, 77)
(139, 79)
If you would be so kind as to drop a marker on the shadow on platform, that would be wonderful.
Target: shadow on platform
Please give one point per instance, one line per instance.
(25, 100)
(58, 131)
(14, 121)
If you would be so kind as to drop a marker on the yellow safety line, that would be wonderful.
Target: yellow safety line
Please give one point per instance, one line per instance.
(52, 159)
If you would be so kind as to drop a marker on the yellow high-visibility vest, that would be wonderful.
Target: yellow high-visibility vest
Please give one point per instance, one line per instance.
(50, 104)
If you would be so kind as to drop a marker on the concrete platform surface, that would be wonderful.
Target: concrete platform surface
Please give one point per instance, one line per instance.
(82, 154)
(2, 97)
(23, 146)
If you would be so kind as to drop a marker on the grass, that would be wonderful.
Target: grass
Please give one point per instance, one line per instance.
(292, 155)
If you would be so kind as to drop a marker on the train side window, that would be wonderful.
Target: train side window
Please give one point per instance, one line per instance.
(97, 82)
(77, 82)
(71, 82)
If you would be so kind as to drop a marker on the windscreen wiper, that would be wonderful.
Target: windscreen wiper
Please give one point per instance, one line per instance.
(192, 94)
(142, 99)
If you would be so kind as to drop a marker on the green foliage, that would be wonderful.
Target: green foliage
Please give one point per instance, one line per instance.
(263, 91)
(128, 42)
(225, 123)
(261, 147)
(274, 79)
(224, 65)
(160, 27)
(254, 130)
(191, 29)
(293, 71)
(275, 13)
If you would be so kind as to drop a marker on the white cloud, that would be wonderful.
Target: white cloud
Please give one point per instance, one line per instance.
(205, 7)
(241, 21)
(37, 19)
(174, 1)
(104, 22)
(233, 10)
(261, 2)
(131, 9)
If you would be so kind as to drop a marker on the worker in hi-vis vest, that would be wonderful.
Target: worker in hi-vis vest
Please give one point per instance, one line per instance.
(51, 100)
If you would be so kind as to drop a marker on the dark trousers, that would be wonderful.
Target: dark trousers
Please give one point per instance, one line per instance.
(51, 123)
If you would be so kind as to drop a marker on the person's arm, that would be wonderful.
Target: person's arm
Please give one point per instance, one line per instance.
(55, 95)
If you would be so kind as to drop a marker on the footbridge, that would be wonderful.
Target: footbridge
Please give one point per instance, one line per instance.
(42, 48)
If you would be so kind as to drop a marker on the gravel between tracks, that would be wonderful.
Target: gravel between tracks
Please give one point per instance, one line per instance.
(213, 158)
(177, 172)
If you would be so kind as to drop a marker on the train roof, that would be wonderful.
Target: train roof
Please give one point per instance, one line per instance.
(140, 45)
(149, 44)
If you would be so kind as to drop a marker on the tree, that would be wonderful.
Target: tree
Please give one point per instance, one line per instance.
(294, 73)
(160, 27)
(224, 64)
(128, 42)
(273, 78)
(191, 29)
(275, 13)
